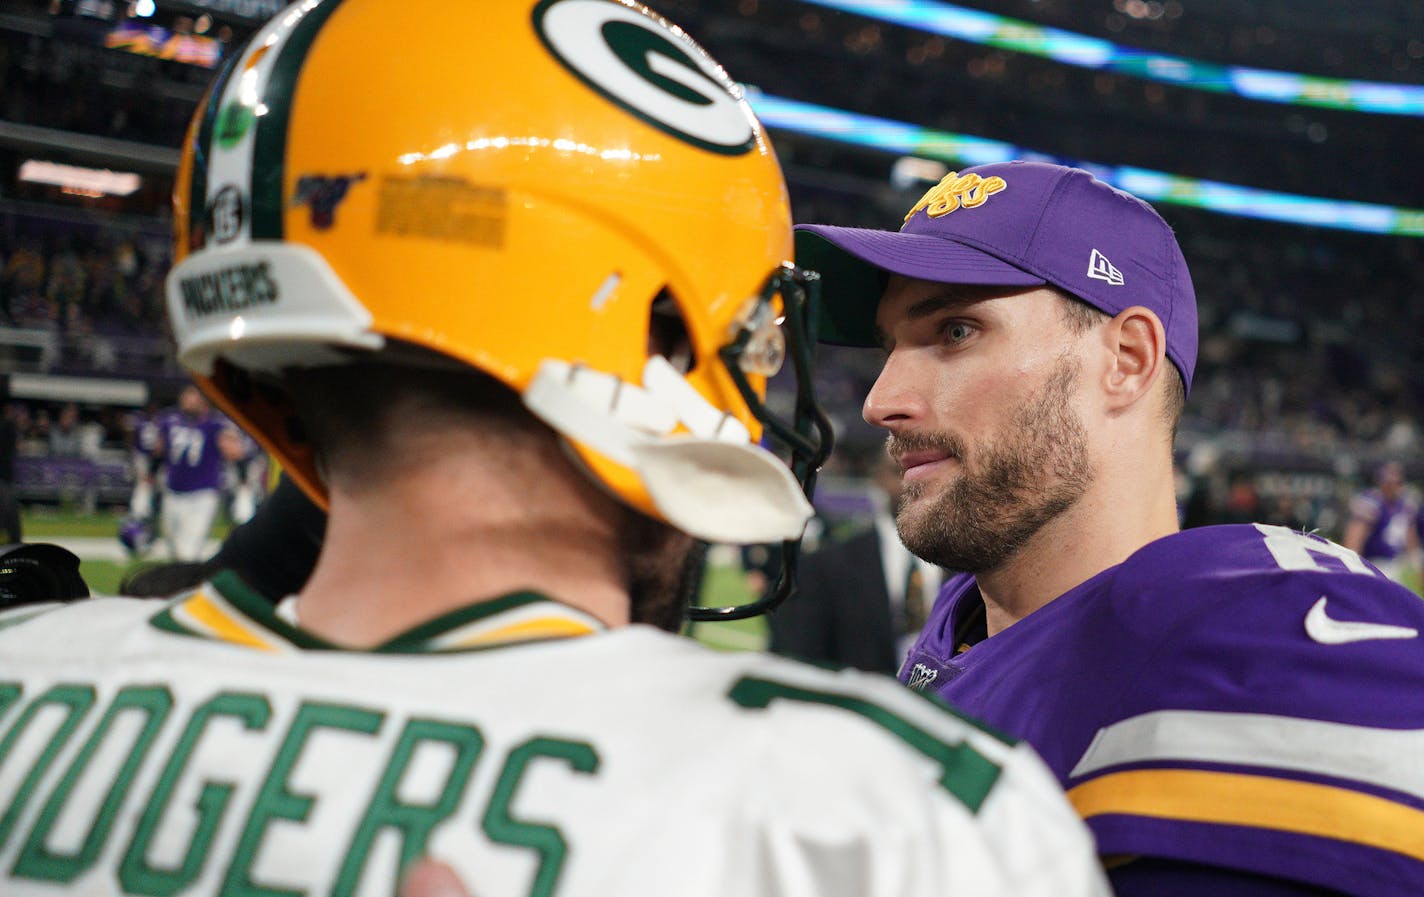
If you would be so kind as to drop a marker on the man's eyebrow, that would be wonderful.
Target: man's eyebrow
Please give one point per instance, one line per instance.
(926, 307)
(931, 304)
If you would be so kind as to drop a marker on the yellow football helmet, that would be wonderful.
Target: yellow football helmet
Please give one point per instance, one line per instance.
(523, 201)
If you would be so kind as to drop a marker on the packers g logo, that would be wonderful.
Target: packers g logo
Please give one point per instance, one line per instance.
(649, 68)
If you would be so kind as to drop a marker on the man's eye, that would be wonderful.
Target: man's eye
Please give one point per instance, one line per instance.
(957, 332)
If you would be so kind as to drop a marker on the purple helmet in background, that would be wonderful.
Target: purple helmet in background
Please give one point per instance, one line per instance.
(136, 534)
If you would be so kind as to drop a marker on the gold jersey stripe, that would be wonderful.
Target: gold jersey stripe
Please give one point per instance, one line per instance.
(1257, 801)
(204, 611)
(543, 627)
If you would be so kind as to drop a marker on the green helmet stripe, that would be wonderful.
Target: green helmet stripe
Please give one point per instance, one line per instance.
(203, 143)
(270, 141)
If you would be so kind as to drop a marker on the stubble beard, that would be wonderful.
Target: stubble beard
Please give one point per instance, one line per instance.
(1004, 493)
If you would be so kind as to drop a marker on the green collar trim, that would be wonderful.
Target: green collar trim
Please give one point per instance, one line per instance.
(244, 617)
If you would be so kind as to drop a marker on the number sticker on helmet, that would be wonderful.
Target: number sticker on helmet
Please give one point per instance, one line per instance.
(650, 68)
(225, 214)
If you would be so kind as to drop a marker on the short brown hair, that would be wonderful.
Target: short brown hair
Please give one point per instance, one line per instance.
(351, 414)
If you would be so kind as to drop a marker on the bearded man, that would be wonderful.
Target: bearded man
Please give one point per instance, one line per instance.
(1234, 710)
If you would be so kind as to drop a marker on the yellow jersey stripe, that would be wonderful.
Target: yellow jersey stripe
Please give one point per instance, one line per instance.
(204, 611)
(1257, 801)
(543, 627)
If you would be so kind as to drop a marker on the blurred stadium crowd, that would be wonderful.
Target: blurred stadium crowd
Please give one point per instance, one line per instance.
(1309, 376)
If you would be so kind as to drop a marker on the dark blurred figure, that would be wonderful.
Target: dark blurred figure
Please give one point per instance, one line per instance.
(9, 438)
(1243, 504)
(65, 439)
(1381, 520)
(1289, 510)
(862, 599)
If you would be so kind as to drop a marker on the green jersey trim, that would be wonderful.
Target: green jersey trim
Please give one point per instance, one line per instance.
(228, 610)
(966, 774)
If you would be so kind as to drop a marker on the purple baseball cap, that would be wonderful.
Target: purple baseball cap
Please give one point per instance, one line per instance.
(1011, 224)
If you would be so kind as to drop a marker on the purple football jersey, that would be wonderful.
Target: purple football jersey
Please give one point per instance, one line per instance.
(191, 457)
(1389, 523)
(1244, 697)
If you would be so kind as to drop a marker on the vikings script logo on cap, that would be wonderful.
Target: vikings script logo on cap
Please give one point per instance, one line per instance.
(955, 191)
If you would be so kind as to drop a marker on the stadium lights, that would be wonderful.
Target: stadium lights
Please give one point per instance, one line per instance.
(1001, 32)
(903, 138)
(73, 179)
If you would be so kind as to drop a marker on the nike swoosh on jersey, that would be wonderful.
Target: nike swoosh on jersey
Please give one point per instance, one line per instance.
(1320, 627)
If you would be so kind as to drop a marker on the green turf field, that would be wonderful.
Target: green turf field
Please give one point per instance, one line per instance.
(725, 585)
(42, 524)
(722, 585)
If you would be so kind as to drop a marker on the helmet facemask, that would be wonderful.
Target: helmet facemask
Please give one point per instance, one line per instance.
(808, 436)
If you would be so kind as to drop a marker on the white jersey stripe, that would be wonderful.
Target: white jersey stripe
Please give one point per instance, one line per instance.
(1388, 758)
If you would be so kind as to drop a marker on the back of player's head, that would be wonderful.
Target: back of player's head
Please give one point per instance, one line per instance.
(366, 422)
(558, 198)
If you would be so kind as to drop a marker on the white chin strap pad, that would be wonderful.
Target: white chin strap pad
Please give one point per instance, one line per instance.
(720, 492)
(711, 482)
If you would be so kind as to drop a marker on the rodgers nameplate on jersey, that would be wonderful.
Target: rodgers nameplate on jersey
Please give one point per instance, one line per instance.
(239, 755)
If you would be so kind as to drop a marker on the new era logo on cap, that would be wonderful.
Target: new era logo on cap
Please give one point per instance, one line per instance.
(1099, 268)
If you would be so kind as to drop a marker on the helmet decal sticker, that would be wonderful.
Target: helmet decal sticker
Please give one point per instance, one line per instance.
(246, 142)
(322, 194)
(233, 123)
(442, 208)
(225, 214)
(650, 68)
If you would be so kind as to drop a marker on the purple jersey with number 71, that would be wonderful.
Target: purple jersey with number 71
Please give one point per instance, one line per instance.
(192, 455)
(1242, 697)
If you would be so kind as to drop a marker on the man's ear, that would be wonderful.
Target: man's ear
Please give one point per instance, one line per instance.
(1137, 344)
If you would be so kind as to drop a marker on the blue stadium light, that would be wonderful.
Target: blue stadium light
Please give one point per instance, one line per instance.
(1080, 50)
(902, 138)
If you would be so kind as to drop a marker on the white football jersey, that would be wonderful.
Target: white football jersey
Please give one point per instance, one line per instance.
(206, 746)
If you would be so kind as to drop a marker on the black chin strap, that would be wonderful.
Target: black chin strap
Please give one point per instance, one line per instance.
(808, 434)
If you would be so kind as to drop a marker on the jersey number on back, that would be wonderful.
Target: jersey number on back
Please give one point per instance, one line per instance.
(1297, 551)
(185, 443)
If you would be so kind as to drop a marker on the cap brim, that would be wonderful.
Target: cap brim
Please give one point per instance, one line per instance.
(854, 263)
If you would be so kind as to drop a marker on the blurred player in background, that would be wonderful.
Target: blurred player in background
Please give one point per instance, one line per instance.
(1382, 520)
(1235, 710)
(9, 446)
(137, 530)
(523, 385)
(145, 461)
(247, 480)
(194, 445)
